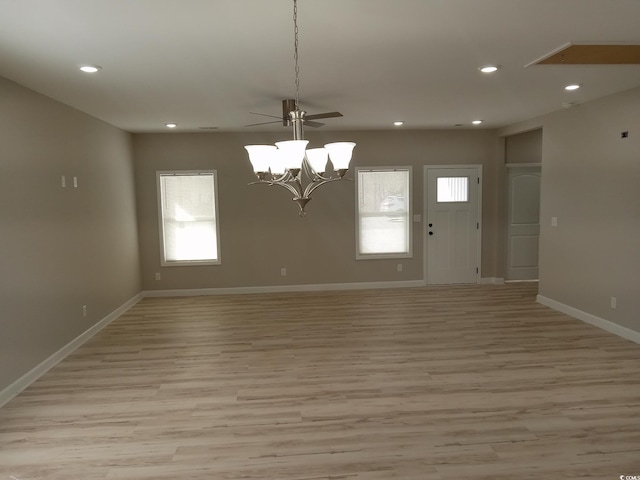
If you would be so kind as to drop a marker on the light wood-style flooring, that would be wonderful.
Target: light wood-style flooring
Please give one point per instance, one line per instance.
(442, 383)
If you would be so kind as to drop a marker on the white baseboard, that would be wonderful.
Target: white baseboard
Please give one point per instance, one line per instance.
(32, 375)
(325, 287)
(611, 327)
(491, 281)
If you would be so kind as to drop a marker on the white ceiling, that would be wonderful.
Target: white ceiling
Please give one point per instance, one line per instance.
(208, 63)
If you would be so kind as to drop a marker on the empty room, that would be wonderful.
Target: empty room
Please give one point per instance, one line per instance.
(319, 239)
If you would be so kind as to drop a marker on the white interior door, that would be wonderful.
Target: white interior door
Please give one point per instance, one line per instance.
(523, 228)
(453, 224)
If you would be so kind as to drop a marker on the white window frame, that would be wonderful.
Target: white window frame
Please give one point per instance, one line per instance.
(170, 263)
(409, 202)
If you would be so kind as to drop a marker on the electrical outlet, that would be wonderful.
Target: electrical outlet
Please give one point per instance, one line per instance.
(75, 182)
(158, 276)
(614, 302)
(84, 310)
(63, 181)
(399, 267)
(283, 272)
(554, 221)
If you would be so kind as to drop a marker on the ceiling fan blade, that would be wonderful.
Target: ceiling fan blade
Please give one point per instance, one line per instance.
(324, 115)
(307, 123)
(262, 123)
(265, 115)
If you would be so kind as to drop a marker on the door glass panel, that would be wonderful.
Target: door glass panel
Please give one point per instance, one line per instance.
(452, 189)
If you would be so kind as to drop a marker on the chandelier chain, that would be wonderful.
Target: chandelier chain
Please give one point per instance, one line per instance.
(295, 51)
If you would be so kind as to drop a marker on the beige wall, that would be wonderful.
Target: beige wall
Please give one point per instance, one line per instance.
(524, 148)
(260, 229)
(61, 247)
(591, 183)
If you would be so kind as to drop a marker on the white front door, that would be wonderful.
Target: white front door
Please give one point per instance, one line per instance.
(523, 224)
(453, 224)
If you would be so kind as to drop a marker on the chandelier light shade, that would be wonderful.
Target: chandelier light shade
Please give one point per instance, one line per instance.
(288, 164)
(340, 154)
(261, 157)
(318, 158)
(291, 152)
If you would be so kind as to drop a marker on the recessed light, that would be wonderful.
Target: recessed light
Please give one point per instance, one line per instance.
(573, 86)
(90, 68)
(399, 123)
(171, 125)
(489, 68)
(477, 122)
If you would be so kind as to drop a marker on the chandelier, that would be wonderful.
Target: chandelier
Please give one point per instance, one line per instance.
(288, 164)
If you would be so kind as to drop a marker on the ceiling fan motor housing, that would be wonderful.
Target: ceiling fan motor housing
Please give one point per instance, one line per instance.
(288, 106)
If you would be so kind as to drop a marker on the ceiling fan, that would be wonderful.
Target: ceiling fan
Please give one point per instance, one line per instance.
(289, 106)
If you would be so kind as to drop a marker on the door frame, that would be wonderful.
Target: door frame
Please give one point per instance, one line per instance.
(425, 209)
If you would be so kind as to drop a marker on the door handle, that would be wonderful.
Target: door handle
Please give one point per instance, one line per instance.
(430, 233)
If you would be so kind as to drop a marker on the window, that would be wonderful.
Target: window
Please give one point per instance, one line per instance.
(452, 189)
(384, 212)
(189, 233)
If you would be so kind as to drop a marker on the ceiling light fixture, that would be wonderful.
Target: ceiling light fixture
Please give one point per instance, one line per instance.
(572, 87)
(171, 125)
(477, 122)
(489, 68)
(90, 68)
(289, 164)
(399, 123)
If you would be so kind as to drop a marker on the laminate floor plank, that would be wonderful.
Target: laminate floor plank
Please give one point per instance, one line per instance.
(435, 383)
